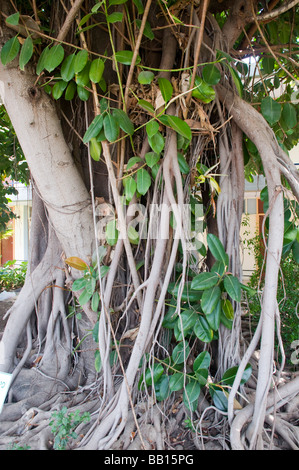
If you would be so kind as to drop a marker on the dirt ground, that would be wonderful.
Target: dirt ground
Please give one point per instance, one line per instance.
(4, 307)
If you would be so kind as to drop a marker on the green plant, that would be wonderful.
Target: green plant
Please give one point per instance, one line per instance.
(12, 275)
(206, 301)
(63, 425)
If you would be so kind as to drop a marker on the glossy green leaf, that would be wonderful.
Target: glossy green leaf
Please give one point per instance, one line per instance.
(147, 32)
(216, 248)
(204, 281)
(80, 61)
(186, 320)
(230, 375)
(124, 121)
(79, 284)
(178, 125)
(203, 330)
(153, 374)
(146, 77)
(117, 2)
(166, 88)
(41, 61)
(180, 352)
(191, 394)
(162, 389)
(203, 91)
(58, 89)
(210, 299)
(143, 181)
(10, 50)
(176, 382)
(95, 149)
(236, 79)
(133, 235)
(268, 64)
(271, 110)
(211, 74)
(111, 127)
(67, 68)
(219, 397)
(132, 162)
(96, 70)
(184, 167)
(26, 52)
(95, 300)
(125, 57)
(70, 91)
(202, 361)
(233, 287)
(227, 309)
(82, 78)
(202, 376)
(54, 58)
(94, 128)
(214, 318)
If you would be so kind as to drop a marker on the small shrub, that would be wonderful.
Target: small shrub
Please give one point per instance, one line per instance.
(12, 275)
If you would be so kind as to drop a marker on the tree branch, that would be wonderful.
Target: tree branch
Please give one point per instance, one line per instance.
(275, 13)
(69, 20)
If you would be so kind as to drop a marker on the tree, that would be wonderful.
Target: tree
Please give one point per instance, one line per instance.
(127, 113)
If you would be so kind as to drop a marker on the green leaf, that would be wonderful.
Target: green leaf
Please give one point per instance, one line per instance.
(26, 52)
(202, 361)
(95, 149)
(94, 128)
(132, 161)
(236, 79)
(84, 297)
(125, 57)
(162, 389)
(70, 91)
(191, 394)
(143, 181)
(214, 318)
(204, 281)
(147, 32)
(202, 376)
(133, 235)
(10, 50)
(233, 287)
(152, 127)
(58, 89)
(111, 127)
(176, 382)
(95, 302)
(124, 121)
(80, 61)
(210, 299)
(227, 309)
(130, 187)
(96, 70)
(67, 68)
(111, 233)
(152, 158)
(230, 375)
(203, 330)
(203, 91)
(79, 284)
(219, 397)
(157, 142)
(146, 105)
(97, 361)
(13, 19)
(152, 375)
(211, 74)
(115, 17)
(178, 125)
(54, 57)
(146, 77)
(216, 248)
(41, 61)
(186, 321)
(271, 110)
(166, 88)
(82, 78)
(289, 115)
(117, 2)
(180, 352)
(184, 167)
(268, 64)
